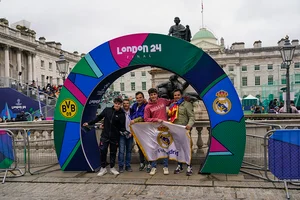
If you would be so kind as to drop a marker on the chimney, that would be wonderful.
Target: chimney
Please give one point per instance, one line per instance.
(82, 55)
(238, 45)
(257, 44)
(281, 42)
(75, 53)
(51, 44)
(42, 40)
(222, 42)
(295, 42)
(58, 45)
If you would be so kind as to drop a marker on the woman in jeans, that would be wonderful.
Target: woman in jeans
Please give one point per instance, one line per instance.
(181, 112)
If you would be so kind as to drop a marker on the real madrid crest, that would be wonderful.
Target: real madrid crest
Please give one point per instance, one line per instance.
(164, 137)
(222, 105)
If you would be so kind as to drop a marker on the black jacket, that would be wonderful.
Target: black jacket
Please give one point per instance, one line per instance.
(114, 122)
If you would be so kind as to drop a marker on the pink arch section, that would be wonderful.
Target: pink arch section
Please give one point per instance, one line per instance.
(124, 48)
(216, 146)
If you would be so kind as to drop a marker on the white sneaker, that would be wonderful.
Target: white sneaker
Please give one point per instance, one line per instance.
(102, 171)
(114, 171)
(153, 171)
(166, 171)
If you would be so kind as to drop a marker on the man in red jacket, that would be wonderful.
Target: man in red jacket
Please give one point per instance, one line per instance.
(155, 111)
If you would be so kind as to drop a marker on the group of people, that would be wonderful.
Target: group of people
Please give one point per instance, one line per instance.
(116, 131)
(276, 107)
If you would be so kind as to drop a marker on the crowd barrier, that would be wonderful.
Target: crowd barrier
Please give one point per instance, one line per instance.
(10, 158)
(274, 157)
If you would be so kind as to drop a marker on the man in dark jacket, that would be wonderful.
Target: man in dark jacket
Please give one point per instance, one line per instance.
(137, 115)
(114, 123)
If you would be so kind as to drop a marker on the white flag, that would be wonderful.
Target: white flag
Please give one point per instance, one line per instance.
(162, 140)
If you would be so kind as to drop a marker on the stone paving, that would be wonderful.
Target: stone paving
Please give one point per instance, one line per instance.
(140, 185)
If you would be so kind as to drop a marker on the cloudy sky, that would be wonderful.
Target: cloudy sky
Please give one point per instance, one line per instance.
(84, 24)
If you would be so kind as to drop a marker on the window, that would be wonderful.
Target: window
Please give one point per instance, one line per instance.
(231, 69)
(297, 78)
(256, 67)
(270, 66)
(143, 73)
(257, 80)
(132, 86)
(283, 65)
(70, 69)
(283, 79)
(50, 66)
(132, 74)
(112, 87)
(270, 80)
(297, 65)
(232, 80)
(122, 86)
(58, 81)
(144, 86)
(244, 68)
(42, 64)
(244, 81)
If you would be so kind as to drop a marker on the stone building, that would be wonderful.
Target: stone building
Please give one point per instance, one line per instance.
(257, 70)
(24, 58)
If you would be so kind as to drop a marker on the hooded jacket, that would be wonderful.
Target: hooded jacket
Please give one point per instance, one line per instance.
(114, 122)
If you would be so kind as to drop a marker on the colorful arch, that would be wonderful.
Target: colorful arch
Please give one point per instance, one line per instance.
(94, 73)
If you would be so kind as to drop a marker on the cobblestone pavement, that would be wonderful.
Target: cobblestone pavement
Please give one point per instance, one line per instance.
(60, 191)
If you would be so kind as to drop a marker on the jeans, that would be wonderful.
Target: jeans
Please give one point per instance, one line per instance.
(142, 157)
(165, 163)
(125, 146)
(113, 146)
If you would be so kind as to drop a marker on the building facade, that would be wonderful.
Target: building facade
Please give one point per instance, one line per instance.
(133, 81)
(257, 71)
(24, 58)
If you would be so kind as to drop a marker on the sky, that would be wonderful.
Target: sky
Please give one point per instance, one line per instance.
(82, 25)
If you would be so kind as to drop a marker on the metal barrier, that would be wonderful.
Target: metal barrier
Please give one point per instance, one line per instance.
(41, 151)
(8, 148)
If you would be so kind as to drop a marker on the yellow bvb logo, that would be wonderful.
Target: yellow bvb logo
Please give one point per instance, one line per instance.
(164, 138)
(222, 105)
(68, 108)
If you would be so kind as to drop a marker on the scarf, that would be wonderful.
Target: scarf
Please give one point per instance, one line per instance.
(173, 110)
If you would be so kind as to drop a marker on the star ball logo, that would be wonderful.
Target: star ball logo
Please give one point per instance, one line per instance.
(164, 137)
(222, 105)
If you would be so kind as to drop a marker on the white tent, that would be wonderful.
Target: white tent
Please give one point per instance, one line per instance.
(250, 97)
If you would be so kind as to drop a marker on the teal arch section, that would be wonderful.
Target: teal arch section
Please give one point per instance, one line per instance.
(77, 148)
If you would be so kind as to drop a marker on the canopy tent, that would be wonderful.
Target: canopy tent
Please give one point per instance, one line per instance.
(249, 101)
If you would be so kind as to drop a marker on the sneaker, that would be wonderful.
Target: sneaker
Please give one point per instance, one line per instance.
(142, 166)
(114, 171)
(102, 171)
(166, 171)
(153, 171)
(121, 169)
(128, 169)
(189, 171)
(148, 168)
(178, 169)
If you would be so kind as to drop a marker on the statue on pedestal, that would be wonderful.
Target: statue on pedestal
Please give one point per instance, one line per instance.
(179, 31)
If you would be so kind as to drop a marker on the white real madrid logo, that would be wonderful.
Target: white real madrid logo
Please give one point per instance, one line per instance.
(222, 105)
(164, 138)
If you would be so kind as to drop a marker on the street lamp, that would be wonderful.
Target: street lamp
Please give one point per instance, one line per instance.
(287, 54)
(62, 66)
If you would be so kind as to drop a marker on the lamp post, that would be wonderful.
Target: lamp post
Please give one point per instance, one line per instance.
(62, 66)
(287, 54)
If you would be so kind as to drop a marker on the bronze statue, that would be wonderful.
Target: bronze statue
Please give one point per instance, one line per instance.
(179, 31)
(165, 90)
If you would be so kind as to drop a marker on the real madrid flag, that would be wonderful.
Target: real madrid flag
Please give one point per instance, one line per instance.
(162, 140)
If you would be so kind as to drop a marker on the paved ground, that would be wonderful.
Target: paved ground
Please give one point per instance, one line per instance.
(140, 185)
